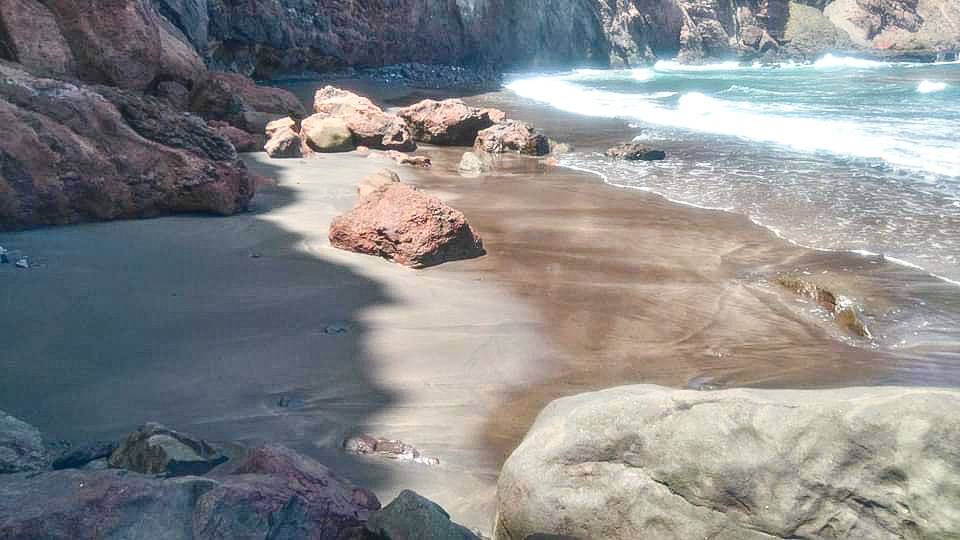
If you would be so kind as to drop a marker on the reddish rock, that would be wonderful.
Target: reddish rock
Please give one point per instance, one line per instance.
(241, 140)
(237, 100)
(284, 143)
(448, 122)
(512, 136)
(370, 125)
(422, 162)
(23, 22)
(59, 156)
(405, 225)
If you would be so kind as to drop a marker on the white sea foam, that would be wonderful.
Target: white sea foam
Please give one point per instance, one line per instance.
(831, 61)
(670, 65)
(699, 112)
(929, 87)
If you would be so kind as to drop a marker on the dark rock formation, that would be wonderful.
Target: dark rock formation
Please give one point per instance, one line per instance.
(156, 449)
(635, 152)
(402, 224)
(241, 140)
(474, 164)
(413, 517)
(326, 134)
(21, 446)
(80, 456)
(60, 161)
(843, 311)
(237, 100)
(370, 125)
(512, 136)
(448, 122)
(651, 462)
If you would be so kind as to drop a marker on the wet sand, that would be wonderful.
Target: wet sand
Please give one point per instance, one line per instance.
(208, 324)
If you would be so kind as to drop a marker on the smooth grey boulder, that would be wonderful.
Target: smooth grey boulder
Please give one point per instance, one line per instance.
(21, 446)
(156, 449)
(651, 462)
(413, 517)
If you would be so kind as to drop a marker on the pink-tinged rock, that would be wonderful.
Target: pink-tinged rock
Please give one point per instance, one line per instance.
(285, 143)
(236, 99)
(448, 122)
(241, 140)
(377, 180)
(326, 134)
(422, 162)
(402, 224)
(512, 136)
(33, 37)
(370, 125)
(73, 153)
(281, 123)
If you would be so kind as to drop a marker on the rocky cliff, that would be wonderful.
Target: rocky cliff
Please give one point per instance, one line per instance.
(276, 37)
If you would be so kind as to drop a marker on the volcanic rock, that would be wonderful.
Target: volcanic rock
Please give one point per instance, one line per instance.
(512, 136)
(370, 125)
(284, 143)
(241, 140)
(156, 449)
(325, 134)
(448, 122)
(473, 164)
(21, 446)
(237, 100)
(635, 152)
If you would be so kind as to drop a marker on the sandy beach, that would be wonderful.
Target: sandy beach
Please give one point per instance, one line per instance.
(252, 328)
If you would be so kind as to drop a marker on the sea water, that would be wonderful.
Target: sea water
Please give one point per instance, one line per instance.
(840, 154)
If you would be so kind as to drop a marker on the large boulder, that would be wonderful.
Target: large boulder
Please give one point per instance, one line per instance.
(272, 493)
(240, 139)
(58, 158)
(22, 24)
(325, 134)
(156, 449)
(370, 125)
(21, 446)
(448, 122)
(284, 143)
(407, 226)
(413, 517)
(237, 100)
(512, 136)
(650, 462)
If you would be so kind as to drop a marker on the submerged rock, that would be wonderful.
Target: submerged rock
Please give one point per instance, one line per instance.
(237, 100)
(377, 180)
(843, 311)
(413, 517)
(448, 122)
(402, 224)
(369, 124)
(21, 446)
(473, 164)
(635, 152)
(512, 136)
(240, 139)
(81, 456)
(156, 449)
(650, 462)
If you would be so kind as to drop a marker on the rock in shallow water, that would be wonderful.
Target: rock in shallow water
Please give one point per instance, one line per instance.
(402, 224)
(650, 462)
(512, 136)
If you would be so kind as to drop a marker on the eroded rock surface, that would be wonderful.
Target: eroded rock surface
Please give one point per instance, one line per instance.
(369, 124)
(21, 446)
(651, 462)
(237, 100)
(156, 449)
(512, 136)
(448, 122)
(405, 225)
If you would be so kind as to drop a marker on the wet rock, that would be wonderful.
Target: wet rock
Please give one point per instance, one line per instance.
(21, 447)
(448, 122)
(405, 225)
(843, 311)
(422, 162)
(473, 164)
(411, 516)
(375, 181)
(388, 448)
(156, 449)
(325, 134)
(369, 124)
(512, 136)
(237, 100)
(635, 152)
(81, 456)
(62, 166)
(651, 462)
(284, 143)
(241, 140)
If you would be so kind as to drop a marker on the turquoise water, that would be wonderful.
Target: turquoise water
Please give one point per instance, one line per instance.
(842, 154)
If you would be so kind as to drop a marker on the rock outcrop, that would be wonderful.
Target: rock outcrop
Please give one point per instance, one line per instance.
(650, 462)
(448, 122)
(58, 162)
(241, 140)
(326, 134)
(473, 164)
(156, 449)
(402, 224)
(21, 446)
(512, 136)
(369, 124)
(635, 152)
(237, 100)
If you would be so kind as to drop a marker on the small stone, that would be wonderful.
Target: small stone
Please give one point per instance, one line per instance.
(22, 262)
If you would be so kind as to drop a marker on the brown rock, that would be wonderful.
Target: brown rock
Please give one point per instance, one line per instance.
(285, 143)
(60, 153)
(375, 181)
(405, 225)
(321, 133)
(635, 152)
(25, 22)
(512, 136)
(448, 122)
(422, 162)
(241, 140)
(370, 125)
(233, 98)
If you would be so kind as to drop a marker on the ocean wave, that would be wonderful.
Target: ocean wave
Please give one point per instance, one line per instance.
(929, 87)
(831, 61)
(699, 112)
(587, 74)
(671, 65)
